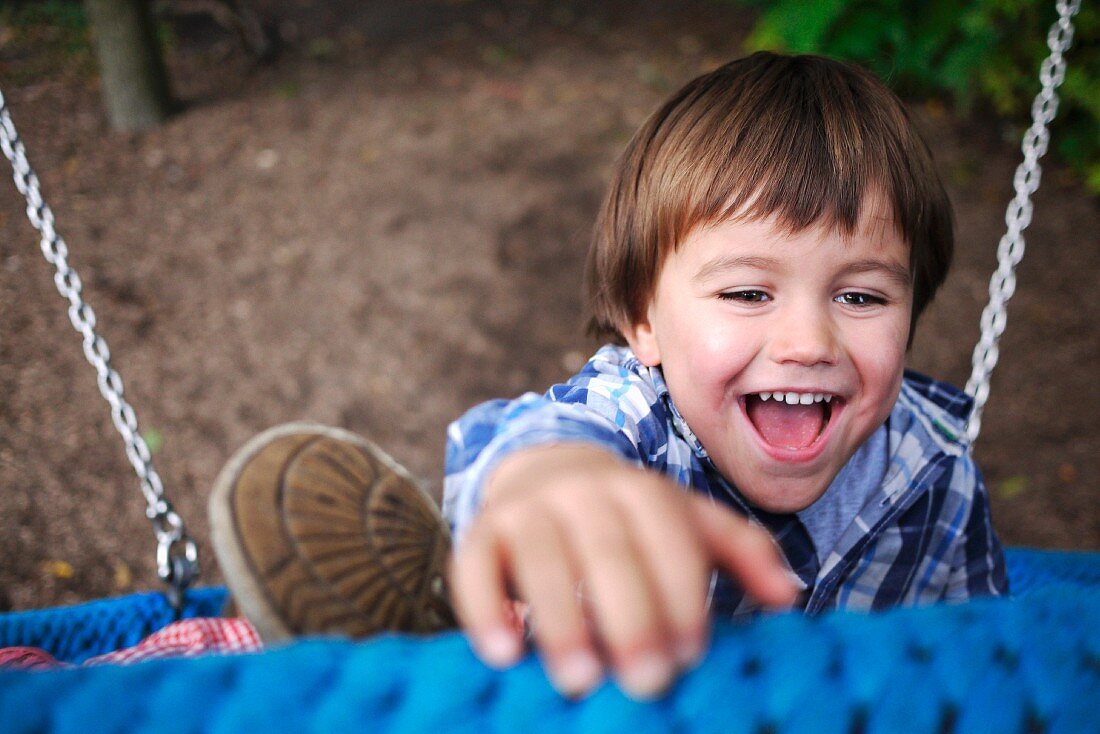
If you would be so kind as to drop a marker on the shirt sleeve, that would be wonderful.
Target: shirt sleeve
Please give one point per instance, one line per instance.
(610, 403)
(979, 566)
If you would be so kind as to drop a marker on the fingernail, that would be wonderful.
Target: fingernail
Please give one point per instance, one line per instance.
(576, 673)
(647, 676)
(498, 648)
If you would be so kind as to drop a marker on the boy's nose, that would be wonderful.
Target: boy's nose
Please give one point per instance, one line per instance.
(803, 336)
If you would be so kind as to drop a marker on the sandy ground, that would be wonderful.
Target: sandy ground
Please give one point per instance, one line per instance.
(388, 225)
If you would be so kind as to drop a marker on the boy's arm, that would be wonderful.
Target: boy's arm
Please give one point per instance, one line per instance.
(610, 403)
(489, 433)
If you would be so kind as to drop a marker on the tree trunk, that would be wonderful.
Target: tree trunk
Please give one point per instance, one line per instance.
(135, 82)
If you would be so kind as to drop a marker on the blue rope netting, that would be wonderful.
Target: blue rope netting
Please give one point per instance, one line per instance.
(1027, 664)
(74, 634)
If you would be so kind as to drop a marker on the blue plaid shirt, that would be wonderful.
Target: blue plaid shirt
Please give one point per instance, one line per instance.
(924, 535)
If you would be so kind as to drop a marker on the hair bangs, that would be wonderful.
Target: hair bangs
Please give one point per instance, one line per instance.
(804, 141)
(809, 155)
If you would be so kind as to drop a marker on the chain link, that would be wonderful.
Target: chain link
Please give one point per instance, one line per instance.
(1010, 250)
(177, 554)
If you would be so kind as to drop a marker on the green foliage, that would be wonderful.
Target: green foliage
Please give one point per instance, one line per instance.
(49, 38)
(44, 38)
(154, 440)
(980, 54)
(67, 14)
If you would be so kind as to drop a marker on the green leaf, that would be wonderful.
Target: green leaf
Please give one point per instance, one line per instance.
(154, 439)
(1092, 178)
(322, 49)
(801, 26)
(1012, 487)
(288, 89)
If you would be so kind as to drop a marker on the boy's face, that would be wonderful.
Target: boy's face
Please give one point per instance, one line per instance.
(742, 308)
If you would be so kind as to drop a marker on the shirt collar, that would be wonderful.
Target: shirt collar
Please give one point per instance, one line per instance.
(683, 430)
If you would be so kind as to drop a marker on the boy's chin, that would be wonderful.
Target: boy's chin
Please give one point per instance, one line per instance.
(786, 497)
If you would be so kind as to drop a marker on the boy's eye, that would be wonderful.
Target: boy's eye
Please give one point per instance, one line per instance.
(746, 296)
(859, 299)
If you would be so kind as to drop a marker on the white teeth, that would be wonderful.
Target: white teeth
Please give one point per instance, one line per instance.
(796, 398)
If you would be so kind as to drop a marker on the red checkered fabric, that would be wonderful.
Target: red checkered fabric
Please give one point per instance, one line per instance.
(186, 638)
(27, 658)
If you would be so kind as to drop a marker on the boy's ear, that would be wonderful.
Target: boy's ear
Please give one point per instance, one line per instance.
(642, 339)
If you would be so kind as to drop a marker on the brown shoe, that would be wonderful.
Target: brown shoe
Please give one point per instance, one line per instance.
(318, 531)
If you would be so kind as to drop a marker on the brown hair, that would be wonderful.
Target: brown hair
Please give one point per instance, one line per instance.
(803, 139)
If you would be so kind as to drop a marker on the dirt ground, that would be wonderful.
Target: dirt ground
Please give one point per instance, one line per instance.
(387, 225)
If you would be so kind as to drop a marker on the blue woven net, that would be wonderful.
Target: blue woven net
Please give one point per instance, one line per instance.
(1028, 664)
(74, 634)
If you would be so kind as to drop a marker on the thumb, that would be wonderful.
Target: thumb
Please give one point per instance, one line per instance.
(746, 550)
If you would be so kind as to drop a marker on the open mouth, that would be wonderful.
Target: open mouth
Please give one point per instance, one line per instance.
(790, 420)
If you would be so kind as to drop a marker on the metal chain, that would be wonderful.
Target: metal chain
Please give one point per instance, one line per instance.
(177, 554)
(1010, 250)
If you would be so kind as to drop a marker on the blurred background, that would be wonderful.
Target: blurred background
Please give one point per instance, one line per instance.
(374, 214)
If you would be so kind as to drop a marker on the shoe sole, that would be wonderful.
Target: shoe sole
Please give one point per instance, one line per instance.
(320, 532)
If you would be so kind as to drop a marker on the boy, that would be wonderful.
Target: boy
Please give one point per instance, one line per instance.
(769, 240)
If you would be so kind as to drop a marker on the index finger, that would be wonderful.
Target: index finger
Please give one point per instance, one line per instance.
(746, 551)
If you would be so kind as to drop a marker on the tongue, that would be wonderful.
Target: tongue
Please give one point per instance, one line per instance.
(786, 426)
